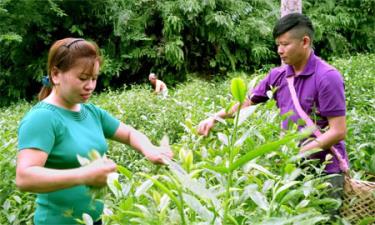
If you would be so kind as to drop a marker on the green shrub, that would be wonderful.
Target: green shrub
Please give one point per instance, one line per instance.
(169, 37)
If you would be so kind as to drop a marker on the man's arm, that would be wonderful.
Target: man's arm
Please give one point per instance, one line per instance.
(255, 96)
(206, 125)
(158, 86)
(335, 133)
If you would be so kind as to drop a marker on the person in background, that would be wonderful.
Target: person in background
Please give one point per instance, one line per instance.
(60, 127)
(159, 86)
(319, 86)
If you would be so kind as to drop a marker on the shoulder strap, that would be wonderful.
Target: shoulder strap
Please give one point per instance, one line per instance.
(298, 107)
(343, 164)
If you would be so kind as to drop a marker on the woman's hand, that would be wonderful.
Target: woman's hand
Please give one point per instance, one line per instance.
(158, 154)
(95, 174)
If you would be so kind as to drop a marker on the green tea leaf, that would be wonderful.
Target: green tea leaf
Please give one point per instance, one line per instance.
(125, 171)
(238, 89)
(94, 155)
(264, 149)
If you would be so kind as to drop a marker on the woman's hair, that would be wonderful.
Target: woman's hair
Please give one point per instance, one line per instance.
(64, 55)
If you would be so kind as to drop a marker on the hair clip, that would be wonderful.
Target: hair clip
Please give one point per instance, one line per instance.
(46, 82)
(75, 41)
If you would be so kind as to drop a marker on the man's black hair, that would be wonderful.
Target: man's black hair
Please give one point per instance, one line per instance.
(294, 21)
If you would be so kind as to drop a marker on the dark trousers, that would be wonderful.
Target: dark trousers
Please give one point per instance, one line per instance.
(337, 183)
(99, 222)
(336, 191)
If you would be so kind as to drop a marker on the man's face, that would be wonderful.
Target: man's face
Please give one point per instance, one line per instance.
(290, 48)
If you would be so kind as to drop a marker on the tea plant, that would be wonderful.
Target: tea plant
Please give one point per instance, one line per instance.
(219, 181)
(359, 84)
(15, 207)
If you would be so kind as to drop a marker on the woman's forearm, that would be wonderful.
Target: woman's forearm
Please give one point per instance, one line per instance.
(139, 141)
(40, 179)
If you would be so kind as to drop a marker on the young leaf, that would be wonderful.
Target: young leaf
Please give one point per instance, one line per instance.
(124, 171)
(245, 113)
(238, 89)
(164, 141)
(259, 199)
(264, 149)
(143, 188)
(82, 160)
(94, 155)
(223, 138)
(113, 184)
(87, 219)
(164, 202)
(195, 204)
(240, 141)
(165, 190)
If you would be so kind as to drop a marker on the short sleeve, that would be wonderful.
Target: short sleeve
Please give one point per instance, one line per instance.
(109, 123)
(36, 130)
(259, 93)
(331, 94)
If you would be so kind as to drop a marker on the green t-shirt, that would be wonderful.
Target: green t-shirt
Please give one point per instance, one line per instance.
(63, 134)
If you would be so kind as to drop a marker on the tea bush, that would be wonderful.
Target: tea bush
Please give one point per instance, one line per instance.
(359, 82)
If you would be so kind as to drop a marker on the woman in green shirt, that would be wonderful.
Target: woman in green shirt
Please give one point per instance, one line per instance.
(62, 126)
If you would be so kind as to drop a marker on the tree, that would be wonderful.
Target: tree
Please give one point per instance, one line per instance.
(290, 6)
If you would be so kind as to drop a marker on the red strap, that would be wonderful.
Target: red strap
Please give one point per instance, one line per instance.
(343, 164)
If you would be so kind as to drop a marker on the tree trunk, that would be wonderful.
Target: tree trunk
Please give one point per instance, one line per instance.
(290, 6)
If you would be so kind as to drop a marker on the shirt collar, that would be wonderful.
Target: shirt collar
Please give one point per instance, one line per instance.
(309, 67)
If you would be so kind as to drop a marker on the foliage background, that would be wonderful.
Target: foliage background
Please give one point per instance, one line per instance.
(171, 38)
(175, 39)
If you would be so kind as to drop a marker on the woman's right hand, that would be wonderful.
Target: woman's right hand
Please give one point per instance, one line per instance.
(95, 174)
(205, 126)
(159, 154)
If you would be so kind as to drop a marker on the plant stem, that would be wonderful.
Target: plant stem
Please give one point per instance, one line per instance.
(178, 202)
(182, 206)
(231, 157)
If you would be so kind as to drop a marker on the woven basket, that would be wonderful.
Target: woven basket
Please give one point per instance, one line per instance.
(358, 201)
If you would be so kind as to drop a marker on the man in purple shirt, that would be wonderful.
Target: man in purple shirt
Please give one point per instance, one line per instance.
(320, 91)
(319, 87)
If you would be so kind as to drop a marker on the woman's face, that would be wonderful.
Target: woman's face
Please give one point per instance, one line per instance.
(75, 85)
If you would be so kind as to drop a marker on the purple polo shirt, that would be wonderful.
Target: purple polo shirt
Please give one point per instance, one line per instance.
(320, 90)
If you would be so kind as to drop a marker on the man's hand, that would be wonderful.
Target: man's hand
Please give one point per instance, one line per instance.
(205, 126)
